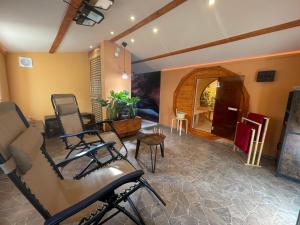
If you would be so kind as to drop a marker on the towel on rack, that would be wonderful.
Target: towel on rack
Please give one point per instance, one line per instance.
(258, 118)
(243, 136)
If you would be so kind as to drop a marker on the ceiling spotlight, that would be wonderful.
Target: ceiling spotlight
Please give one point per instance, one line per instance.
(112, 33)
(132, 40)
(132, 18)
(91, 46)
(155, 30)
(211, 2)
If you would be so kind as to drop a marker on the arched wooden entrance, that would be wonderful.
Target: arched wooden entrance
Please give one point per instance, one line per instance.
(184, 94)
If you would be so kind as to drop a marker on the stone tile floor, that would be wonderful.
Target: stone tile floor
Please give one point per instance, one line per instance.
(203, 183)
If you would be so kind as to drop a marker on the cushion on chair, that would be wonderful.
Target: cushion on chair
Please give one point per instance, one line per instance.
(65, 109)
(23, 148)
(11, 127)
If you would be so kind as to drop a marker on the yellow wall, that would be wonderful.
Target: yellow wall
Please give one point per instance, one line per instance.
(112, 68)
(265, 98)
(31, 88)
(4, 93)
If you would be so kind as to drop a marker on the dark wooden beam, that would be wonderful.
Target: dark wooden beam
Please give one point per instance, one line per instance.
(65, 24)
(268, 30)
(173, 4)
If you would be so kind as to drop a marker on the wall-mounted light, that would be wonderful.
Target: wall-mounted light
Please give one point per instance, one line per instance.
(124, 75)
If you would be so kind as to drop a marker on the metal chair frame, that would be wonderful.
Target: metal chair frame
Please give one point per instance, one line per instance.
(107, 195)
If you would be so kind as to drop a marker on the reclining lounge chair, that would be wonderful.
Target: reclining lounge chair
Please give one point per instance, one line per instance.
(24, 160)
(75, 137)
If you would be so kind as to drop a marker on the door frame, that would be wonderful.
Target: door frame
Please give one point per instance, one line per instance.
(196, 93)
(184, 95)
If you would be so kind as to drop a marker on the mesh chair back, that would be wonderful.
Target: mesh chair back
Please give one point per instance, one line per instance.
(67, 112)
(20, 153)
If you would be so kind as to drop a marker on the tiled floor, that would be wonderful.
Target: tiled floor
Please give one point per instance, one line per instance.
(203, 183)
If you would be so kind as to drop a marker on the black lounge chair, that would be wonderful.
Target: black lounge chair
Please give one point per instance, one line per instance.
(25, 161)
(77, 139)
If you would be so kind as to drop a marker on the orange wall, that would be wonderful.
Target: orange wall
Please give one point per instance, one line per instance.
(112, 69)
(266, 98)
(4, 94)
(31, 88)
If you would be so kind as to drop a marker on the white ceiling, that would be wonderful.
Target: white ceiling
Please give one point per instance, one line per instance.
(31, 25)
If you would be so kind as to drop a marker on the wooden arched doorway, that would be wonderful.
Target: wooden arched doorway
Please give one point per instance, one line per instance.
(184, 96)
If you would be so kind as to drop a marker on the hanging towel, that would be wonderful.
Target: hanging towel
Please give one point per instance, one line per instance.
(259, 119)
(243, 136)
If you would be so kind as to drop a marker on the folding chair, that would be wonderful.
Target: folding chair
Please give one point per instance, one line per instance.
(75, 137)
(250, 137)
(24, 159)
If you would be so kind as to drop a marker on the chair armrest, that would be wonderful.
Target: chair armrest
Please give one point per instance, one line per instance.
(92, 150)
(79, 134)
(97, 196)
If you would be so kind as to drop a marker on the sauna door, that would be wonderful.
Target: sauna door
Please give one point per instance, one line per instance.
(226, 112)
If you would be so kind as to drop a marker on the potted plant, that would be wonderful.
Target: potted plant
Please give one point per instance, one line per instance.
(121, 109)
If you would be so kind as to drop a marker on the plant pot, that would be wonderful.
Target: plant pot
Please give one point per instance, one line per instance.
(127, 127)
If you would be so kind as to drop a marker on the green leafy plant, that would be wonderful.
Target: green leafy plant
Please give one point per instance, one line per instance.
(120, 105)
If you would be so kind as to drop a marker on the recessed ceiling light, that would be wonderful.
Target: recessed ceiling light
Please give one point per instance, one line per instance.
(211, 2)
(112, 33)
(132, 18)
(132, 40)
(155, 30)
(91, 46)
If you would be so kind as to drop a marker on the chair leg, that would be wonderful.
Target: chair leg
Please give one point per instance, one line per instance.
(128, 214)
(150, 188)
(180, 127)
(70, 151)
(78, 176)
(186, 126)
(135, 210)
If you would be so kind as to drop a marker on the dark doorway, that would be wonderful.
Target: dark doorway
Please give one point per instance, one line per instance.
(146, 86)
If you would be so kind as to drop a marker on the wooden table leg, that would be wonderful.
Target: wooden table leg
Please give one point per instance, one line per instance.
(137, 148)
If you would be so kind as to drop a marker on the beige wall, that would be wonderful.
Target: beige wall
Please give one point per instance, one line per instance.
(266, 98)
(4, 93)
(31, 88)
(112, 69)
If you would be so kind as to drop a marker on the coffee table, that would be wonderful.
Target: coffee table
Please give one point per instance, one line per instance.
(153, 140)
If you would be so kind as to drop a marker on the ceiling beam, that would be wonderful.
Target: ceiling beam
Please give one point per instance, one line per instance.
(65, 24)
(3, 50)
(173, 4)
(283, 26)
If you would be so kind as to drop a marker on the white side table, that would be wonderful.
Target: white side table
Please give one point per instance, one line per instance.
(179, 124)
